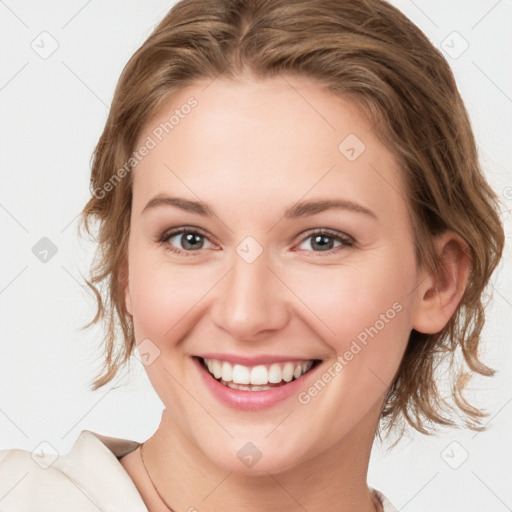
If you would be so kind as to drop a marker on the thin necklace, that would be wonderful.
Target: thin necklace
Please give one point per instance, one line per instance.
(379, 505)
(151, 480)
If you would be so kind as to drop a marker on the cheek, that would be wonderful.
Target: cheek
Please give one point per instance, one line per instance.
(365, 317)
(362, 306)
(164, 298)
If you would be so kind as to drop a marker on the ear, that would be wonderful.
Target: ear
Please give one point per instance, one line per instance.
(125, 286)
(439, 295)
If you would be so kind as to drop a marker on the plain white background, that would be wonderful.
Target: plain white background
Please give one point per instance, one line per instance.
(53, 108)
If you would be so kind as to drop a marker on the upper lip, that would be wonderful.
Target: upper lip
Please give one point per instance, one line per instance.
(253, 360)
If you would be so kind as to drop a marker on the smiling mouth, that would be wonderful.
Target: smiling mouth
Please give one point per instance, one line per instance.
(257, 378)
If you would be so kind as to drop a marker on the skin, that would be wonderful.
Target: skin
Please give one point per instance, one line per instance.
(251, 149)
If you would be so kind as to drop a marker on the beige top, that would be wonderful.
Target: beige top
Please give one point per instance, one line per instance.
(87, 479)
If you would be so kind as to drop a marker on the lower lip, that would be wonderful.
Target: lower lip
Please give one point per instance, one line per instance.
(251, 400)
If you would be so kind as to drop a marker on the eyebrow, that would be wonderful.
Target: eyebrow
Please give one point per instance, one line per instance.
(302, 209)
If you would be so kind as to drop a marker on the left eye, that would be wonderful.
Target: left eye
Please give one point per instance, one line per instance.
(189, 240)
(324, 241)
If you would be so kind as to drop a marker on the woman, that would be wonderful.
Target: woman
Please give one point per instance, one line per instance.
(294, 229)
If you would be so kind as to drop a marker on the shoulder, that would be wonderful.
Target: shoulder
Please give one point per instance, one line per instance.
(88, 478)
(24, 482)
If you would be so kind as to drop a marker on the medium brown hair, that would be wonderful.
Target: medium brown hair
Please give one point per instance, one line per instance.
(370, 53)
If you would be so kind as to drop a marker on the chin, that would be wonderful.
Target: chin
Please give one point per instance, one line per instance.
(255, 458)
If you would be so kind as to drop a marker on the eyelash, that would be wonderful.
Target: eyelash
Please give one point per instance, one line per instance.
(345, 240)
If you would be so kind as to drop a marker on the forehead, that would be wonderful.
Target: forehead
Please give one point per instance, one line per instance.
(247, 141)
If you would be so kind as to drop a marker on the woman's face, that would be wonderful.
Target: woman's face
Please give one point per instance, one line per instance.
(297, 248)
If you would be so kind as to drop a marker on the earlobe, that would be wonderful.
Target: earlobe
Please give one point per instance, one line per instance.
(439, 295)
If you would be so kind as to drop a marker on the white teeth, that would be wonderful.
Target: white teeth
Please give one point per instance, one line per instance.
(240, 374)
(227, 372)
(244, 387)
(288, 372)
(274, 374)
(217, 369)
(258, 377)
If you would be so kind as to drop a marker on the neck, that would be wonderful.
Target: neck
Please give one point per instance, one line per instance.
(333, 480)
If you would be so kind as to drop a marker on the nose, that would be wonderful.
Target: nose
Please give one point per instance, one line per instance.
(251, 302)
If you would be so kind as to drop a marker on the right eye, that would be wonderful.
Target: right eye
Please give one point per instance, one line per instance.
(183, 240)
